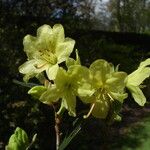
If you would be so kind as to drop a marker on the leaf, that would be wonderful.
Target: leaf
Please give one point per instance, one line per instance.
(37, 91)
(32, 142)
(29, 85)
(18, 141)
(66, 141)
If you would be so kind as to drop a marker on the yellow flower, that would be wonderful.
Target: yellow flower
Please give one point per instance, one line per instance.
(135, 79)
(45, 51)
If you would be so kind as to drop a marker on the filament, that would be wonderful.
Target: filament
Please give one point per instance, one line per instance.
(40, 66)
(90, 111)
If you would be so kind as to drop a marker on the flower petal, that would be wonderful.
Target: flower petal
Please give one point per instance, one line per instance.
(101, 109)
(69, 101)
(51, 95)
(30, 46)
(137, 94)
(61, 78)
(138, 76)
(52, 71)
(58, 33)
(71, 61)
(101, 70)
(116, 86)
(119, 96)
(117, 82)
(30, 70)
(64, 49)
(30, 67)
(145, 63)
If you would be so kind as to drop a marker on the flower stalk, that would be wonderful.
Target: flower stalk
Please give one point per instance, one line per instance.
(57, 130)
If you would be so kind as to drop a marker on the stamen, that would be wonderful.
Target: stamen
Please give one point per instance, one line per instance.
(90, 111)
(47, 83)
(40, 66)
(110, 96)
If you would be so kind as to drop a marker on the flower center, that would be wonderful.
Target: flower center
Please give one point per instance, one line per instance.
(48, 56)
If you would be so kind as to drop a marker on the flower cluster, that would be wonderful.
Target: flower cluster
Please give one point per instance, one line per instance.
(100, 85)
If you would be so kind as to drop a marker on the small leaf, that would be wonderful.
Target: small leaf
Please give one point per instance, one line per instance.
(37, 91)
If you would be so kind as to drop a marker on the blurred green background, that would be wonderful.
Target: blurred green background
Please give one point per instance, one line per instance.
(115, 30)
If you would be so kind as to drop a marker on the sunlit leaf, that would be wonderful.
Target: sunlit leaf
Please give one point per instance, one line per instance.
(37, 91)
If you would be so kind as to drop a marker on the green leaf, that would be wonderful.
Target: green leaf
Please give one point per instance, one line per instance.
(37, 91)
(18, 141)
(137, 94)
(29, 85)
(66, 141)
